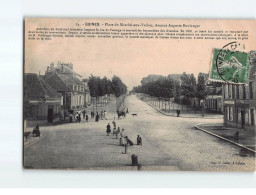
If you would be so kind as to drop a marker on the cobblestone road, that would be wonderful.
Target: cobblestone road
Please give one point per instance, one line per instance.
(167, 141)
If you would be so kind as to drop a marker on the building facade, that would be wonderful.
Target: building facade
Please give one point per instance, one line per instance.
(214, 100)
(41, 102)
(64, 80)
(240, 101)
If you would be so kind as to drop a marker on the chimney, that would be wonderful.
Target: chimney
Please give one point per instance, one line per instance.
(52, 66)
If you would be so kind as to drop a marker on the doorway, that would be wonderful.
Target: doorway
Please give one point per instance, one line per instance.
(50, 114)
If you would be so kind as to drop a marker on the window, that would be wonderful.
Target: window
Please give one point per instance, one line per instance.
(237, 91)
(252, 117)
(244, 92)
(230, 113)
(229, 91)
(233, 92)
(227, 112)
(250, 90)
(224, 90)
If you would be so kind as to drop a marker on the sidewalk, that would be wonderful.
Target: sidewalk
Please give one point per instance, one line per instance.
(246, 137)
(31, 140)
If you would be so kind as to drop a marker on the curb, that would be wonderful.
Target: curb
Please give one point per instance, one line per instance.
(220, 137)
(34, 141)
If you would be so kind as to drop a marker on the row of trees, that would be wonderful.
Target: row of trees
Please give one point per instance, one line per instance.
(101, 88)
(182, 88)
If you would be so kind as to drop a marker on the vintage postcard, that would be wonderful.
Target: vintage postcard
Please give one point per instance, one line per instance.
(139, 94)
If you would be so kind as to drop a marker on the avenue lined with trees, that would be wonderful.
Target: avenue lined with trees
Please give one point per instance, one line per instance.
(102, 88)
(180, 89)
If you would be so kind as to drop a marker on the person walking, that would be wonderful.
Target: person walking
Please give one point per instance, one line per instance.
(79, 117)
(114, 123)
(236, 137)
(139, 140)
(108, 129)
(86, 118)
(84, 114)
(76, 117)
(178, 113)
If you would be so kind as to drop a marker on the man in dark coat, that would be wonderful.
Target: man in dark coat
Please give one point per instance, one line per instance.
(84, 114)
(108, 129)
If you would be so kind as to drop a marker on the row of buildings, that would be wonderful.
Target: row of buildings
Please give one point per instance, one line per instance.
(237, 102)
(59, 92)
(240, 101)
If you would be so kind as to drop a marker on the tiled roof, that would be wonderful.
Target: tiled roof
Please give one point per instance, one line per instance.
(57, 83)
(36, 87)
(61, 82)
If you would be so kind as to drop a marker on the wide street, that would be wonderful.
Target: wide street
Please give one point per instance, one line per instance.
(169, 143)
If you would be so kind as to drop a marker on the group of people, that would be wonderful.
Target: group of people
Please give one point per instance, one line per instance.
(98, 116)
(124, 140)
(77, 117)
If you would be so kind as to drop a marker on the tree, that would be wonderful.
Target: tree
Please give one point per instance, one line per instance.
(201, 90)
(118, 87)
(188, 87)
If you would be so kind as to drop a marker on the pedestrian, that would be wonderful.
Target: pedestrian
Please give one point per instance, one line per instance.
(104, 114)
(108, 129)
(84, 114)
(116, 132)
(178, 113)
(92, 114)
(86, 118)
(71, 118)
(139, 140)
(122, 132)
(76, 117)
(128, 141)
(236, 137)
(79, 117)
(101, 114)
(118, 114)
(114, 123)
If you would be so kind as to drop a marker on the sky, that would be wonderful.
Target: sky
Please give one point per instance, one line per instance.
(130, 59)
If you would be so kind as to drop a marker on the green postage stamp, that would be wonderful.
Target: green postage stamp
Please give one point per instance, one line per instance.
(230, 66)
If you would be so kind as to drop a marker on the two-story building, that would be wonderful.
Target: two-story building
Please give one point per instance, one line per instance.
(240, 101)
(64, 80)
